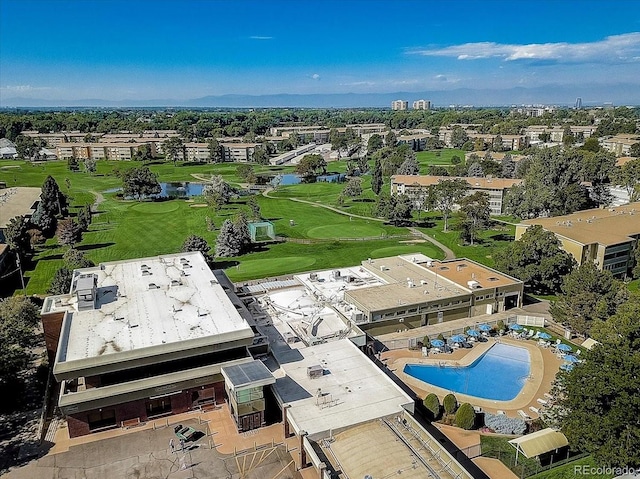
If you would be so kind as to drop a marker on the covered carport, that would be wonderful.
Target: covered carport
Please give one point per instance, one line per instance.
(539, 442)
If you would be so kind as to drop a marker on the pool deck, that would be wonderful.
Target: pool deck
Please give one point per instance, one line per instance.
(544, 366)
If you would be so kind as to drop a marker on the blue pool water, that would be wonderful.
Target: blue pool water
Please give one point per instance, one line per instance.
(498, 374)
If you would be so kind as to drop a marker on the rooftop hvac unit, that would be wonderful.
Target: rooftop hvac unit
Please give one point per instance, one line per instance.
(473, 284)
(313, 276)
(336, 274)
(315, 371)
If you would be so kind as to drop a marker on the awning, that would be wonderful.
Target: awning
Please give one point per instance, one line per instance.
(539, 442)
(589, 343)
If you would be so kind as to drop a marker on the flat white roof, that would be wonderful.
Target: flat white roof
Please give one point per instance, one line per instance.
(351, 391)
(164, 301)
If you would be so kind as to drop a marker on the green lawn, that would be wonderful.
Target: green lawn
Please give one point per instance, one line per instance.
(489, 241)
(568, 471)
(437, 157)
(130, 229)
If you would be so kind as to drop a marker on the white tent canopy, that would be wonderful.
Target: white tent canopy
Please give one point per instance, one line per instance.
(539, 442)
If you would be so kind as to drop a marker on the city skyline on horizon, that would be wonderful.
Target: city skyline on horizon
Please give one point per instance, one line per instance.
(116, 51)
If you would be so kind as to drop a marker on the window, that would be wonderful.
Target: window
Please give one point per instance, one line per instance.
(101, 419)
(156, 407)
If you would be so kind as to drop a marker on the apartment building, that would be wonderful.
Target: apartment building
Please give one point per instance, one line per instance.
(606, 237)
(101, 151)
(139, 339)
(239, 152)
(417, 141)
(509, 142)
(52, 140)
(399, 105)
(197, 152)
(620, 144)
(496, 188)
(416, 291)
(422, 105)
(556, 133)
(534, 111)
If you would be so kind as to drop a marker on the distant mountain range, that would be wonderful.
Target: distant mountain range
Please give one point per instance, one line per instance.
(619, 94)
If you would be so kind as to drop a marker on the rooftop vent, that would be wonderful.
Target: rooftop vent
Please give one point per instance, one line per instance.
(176, 282)
(146, 272)
(493, 278)
(153, 286)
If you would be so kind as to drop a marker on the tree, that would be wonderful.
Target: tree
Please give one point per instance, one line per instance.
(68, 232)
(601, 393)
(409, 167)
(90, 165)
(52, 203)
(216, 151)
(465, 416)
(241, 232)
(447, 193)
(536, 259)
(459, 137)
(227, 244)
(260, 155)
(246, 173)
(143, 153)
(196, 243)
(61, 282)
(397, 208)
(17, 236)
(450, 403)
(496, 144)
(508, 166)
(587, 295)
(591, 144)
(217, 192)
(311, 166)
(475, 214)
(390, 139)
(173, 149)
(634, 150)
(27, 148)
(254, 207)
(432, 404)
(374, 144)
(140, 182)
(475, 170)
(75, 259)
(18, 319)
(353, 188)
(568, 138)
(628, 176)
(84, 218)
(376, 177)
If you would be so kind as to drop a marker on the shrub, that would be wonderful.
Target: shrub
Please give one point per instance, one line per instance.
(500, 325)
(440, 337)
(426, 342)
(432, 403)
(465, 416)
(450, 403)
(505, 425)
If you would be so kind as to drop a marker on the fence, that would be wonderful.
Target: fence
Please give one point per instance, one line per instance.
(529, 467)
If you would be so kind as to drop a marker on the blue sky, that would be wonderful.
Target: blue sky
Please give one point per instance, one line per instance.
(115, 50)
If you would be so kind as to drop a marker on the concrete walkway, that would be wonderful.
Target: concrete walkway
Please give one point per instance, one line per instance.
(448, 254)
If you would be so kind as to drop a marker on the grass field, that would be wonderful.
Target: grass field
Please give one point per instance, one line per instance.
(568, 471)
(437, 157)
(129, 229)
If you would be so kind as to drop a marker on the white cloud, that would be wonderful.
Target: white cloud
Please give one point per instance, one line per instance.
(24, 88)
(613, 49)
(315, 76)
(258, 37)
(359, 83)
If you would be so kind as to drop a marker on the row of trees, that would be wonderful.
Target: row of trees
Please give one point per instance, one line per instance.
(202, 124)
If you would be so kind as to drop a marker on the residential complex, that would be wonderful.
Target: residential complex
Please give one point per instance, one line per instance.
(496, 188)
(605, 236)
(422, 105)
(399, 105)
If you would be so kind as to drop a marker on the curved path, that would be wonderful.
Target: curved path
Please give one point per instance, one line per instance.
(448, 253)
(96, 203)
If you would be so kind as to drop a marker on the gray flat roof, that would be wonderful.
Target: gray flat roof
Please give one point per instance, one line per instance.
(149, 306)
(351, 391)
(17, 202)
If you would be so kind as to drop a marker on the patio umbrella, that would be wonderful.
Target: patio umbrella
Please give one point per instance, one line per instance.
(566, 367)
(570, 358)
(564, 347)
(437, 343)
(544, 335)
(484, 327)
(516, 327)
(458, 338)
(473, 332)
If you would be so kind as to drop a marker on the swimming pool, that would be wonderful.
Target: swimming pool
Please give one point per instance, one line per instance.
(499, 374)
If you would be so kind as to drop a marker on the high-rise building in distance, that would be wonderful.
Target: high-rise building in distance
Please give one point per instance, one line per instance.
(399, 105)
(578, 103)
(422, 105)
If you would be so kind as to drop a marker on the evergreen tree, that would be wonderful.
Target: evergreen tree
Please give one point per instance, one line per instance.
(475, 170)
(196, 243)
(61, 282)
(140, 182)
(376, 177)
(68, 232)
(409, 167)
(75, 259)
(508, 166)
(17, 235)
(241, 231)
(227, 244)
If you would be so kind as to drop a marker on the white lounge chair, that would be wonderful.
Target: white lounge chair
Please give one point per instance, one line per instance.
(500, 412)
(544, 402)
(549, 396)
(523, 415)
(531, 333)
(534, 409)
